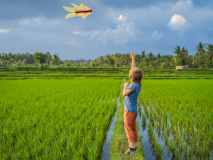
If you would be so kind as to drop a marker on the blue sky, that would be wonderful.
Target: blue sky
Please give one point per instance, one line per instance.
(115, 26)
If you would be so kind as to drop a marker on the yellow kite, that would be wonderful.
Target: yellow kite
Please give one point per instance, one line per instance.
(77, 11)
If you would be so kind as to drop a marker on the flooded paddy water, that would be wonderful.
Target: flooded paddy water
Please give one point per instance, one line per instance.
(107, 143)
(167, 153)
(149, 152)
(166, 146)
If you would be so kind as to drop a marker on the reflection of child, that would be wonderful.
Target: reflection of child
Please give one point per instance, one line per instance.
(131, 93)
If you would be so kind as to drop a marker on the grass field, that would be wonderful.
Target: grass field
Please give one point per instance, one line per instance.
(119, 73)
(67, 118)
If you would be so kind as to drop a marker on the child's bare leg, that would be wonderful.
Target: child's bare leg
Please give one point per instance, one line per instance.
(130, 149)
(131, 144)
(135, 144)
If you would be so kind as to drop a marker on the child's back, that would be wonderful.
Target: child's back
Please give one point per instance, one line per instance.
(130, 101)
(130, 93)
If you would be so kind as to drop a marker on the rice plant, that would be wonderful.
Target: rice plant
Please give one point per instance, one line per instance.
(183, 111)
(55, 119)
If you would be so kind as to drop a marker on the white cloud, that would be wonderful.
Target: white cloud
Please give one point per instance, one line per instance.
(27, 21)
(37, 20)
(121, 34)
(76, 32)
(182, 5)
(156, 35)
(72, 42)
(121, 18)
(178, 22)
(4, 31)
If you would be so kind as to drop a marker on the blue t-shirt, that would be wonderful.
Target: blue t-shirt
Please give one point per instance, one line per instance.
(130, 101)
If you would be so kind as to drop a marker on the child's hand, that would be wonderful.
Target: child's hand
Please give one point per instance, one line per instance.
(132, 55)
(126, 84)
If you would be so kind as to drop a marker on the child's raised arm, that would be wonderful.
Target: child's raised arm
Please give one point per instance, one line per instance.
(132, 55)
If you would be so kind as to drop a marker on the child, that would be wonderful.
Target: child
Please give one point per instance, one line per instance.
(131, 93)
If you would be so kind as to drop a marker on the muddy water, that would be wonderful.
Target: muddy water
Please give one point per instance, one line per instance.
(107, 143)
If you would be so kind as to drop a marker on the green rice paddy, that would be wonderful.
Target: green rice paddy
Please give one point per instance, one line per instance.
(46, 118)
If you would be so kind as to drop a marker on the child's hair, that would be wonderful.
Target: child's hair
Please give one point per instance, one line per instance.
(136, 75)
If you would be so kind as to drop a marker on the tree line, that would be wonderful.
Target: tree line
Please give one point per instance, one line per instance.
(38, 59)
(203, 58)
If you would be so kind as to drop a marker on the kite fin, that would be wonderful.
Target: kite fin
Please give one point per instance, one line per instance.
(74, 5)
(70, 15)
(69, 9)
(84, 15)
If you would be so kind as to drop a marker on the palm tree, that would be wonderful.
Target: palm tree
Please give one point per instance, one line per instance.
(184, 55)
(158, 58)
(210, 55)
(94, 62)
(200, 47)
(100, 60)
(150, 55)
(177, 51)
(143, 54)
(117, 59)
(106, 59)
(201, 51)
(56, 58)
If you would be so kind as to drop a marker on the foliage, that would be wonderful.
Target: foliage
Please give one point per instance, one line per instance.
(61, 72)
(55, 119)
(9, 59)
(203, 58)
(40, 58)
(56, 58)
(181, 56)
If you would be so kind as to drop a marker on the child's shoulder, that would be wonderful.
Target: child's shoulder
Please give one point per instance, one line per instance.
(135, 84)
